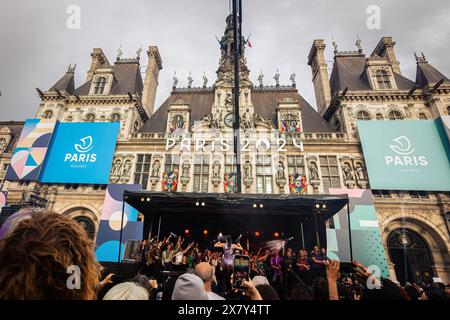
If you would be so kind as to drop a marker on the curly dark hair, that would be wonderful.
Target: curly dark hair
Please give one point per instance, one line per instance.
(35, 256)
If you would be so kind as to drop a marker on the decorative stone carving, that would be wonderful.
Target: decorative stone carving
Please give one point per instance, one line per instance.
(216, 122)
(190, 80)
(216, 179)
(175, 80)
(259, 120)
(248, 177)
(292, 78)
(205, 80)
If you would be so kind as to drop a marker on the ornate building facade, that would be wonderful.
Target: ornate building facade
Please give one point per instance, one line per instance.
(191, 134)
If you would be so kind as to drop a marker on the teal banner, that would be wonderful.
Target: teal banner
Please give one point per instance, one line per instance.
(405, 155)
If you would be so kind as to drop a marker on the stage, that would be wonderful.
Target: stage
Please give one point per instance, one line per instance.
(258, 218)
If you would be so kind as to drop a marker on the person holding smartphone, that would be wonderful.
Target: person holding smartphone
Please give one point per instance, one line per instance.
(228, 259)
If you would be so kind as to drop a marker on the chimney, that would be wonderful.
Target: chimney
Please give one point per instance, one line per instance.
(385, 49)
(316, 59)
(154, 65)
(98, 59)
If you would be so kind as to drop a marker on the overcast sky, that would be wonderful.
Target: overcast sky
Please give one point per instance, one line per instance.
(36, 46)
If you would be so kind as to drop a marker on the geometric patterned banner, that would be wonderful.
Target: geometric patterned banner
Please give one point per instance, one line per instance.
(108, 236)
(30, 151)
(367, 244)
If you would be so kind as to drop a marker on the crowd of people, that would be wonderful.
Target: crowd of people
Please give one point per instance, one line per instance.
(45, 255)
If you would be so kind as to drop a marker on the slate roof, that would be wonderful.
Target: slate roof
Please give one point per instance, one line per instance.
(66, 83)
(264, 101)
(348, 72)
(426, 74)
(127, 78)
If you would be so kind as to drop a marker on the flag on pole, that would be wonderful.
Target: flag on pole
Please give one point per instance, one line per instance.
(247, 42)
(222, 45)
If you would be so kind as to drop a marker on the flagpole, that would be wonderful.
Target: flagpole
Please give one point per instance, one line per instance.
(237, 47)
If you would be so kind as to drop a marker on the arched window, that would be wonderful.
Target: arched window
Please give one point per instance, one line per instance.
(422, 116)
(115, 117)
(290, 124)
(135, 126)
(395, 115)
(379, 116)
(363, 115)
(383, 80)
(100, 85)
(69, 119)
(90, 117)
(47, 114)
(448, 110)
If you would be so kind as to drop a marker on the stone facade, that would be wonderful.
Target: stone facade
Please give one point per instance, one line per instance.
(330, 154)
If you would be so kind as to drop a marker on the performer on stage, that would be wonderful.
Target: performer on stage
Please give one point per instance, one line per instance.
(228, 260)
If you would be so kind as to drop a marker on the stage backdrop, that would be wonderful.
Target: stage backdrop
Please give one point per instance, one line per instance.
(405, 155)
(366, 236)
(29, 154)
(81, 153)
(108, 236)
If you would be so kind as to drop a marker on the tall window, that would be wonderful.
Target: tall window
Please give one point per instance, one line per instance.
(363, 115)
(172, 163)
(296, 165)
(448, 110)
(395, 115)
(264, 174)
(383, 80)
(201, 173)
(330, 173)
(100, 85)
(115, 117)
(142, 170)
(230, 164)
(47, 114)
(90, 117)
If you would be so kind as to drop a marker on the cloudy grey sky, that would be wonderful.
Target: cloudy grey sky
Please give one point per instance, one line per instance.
(36, 46)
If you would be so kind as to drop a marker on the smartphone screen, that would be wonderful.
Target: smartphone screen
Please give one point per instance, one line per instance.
(241, 270)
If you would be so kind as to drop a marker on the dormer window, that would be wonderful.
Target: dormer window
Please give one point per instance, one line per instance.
(47, 114)
(383, 81)
(395, 115)
(90, 117)
(363, 115)
(115, 117)
(100, 85)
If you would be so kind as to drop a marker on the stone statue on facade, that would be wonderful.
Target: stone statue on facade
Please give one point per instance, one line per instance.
(216, 122)
(247, 120)
(276, 77)
(313, 171)
(2, 144)
(175, 80)
(155, 169)
(116, 168)
(280, 170)
(292, 78)
(261, 79)
(360, 172)
(190, 80)
(205, 80)
(348, 172)
(126, 168)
